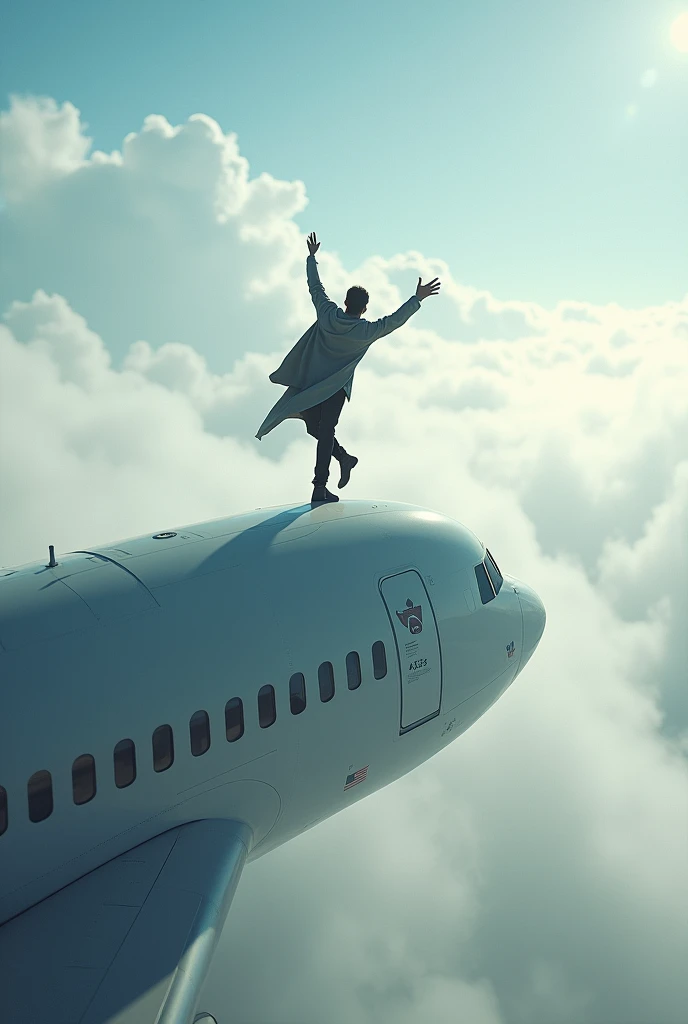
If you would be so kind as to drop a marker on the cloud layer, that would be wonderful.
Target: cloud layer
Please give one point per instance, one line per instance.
(536, 871)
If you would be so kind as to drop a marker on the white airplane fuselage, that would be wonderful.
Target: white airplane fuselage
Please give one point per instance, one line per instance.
(111, 645)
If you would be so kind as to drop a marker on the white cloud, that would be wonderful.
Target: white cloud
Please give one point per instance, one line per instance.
(163, 240)
(39, 142)
(536, 871)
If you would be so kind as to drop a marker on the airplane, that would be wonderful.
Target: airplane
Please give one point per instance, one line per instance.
(179, 704)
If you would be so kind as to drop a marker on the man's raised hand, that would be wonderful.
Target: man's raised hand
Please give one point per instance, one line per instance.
(423, 290)
(313, 243)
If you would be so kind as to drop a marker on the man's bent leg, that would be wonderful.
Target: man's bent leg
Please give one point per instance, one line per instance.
(338, 452)
(311, 417)
(329, 417)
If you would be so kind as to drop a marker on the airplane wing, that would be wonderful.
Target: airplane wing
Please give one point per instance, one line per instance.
(129, 943)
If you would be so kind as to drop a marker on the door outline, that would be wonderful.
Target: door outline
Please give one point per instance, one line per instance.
(434, 714)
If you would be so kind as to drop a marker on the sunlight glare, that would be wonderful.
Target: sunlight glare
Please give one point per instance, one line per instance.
(679, 32)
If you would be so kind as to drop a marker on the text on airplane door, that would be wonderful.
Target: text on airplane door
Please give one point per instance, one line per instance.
(412, 617)
(418, 646)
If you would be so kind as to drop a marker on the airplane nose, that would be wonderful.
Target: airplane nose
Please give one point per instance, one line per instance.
(533, 614)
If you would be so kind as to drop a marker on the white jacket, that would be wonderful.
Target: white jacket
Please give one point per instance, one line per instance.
(324, 359)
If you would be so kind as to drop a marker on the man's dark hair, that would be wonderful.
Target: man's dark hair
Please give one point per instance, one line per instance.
(356, 300)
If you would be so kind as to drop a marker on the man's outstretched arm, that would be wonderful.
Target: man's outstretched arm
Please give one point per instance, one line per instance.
(318, 294)
(379, 328)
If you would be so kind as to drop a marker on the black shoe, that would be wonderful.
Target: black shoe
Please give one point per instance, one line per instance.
(321, 495)
(347, 464)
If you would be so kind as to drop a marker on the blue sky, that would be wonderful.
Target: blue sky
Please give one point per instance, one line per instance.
(514, 141)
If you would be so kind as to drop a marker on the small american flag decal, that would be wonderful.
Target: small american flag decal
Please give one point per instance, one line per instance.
(356, 777)
(510, 649)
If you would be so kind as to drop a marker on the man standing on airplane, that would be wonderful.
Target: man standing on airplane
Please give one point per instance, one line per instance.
(318, 371)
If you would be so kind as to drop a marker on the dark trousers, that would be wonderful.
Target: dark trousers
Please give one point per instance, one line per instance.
(320, 422)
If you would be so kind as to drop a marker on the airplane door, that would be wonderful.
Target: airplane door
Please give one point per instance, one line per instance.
(418, 646)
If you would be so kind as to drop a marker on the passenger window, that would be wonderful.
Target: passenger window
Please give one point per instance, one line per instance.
(125, 763)
(379, 660)
(40, 796)
(493, 572)
(163, 748)
(199, 732)
(353, 670)
(234, 719)
(266, 706)
(3, 810)
(326, 681)
(83, 779)
(484, 585)
(297, 693)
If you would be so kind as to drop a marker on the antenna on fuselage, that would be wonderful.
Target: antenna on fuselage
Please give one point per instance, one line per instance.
(52, 563)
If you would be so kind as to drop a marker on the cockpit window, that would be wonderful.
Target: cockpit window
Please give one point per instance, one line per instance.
(494, 573)
(487, 591)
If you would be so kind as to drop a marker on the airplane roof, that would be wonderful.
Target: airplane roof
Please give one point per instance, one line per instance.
(179, 552)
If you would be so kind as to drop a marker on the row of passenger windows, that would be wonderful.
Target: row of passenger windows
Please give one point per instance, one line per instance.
(489, 578)
(40, 785)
